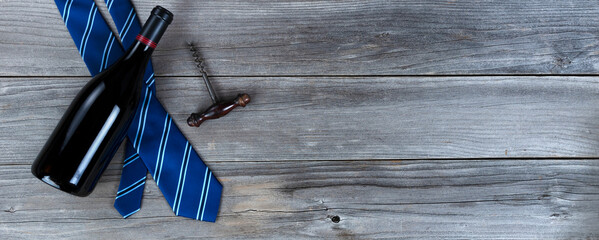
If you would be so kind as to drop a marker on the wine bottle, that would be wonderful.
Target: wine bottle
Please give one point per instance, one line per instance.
(96, 122)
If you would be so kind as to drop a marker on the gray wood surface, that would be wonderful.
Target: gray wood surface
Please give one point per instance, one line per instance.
(380, 37)
(501, 199)
(347, 118)
(405, 119)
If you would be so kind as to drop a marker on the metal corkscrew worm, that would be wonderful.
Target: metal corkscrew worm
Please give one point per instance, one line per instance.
(217, 109)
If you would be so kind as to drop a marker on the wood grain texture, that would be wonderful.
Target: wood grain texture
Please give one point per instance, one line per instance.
(343, 123)
(379, 37)
(346, 118)
(495, 199)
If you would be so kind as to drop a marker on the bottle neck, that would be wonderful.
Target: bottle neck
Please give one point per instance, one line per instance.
(152, 31)
(146, 41)
(150, 35)
(139, 52)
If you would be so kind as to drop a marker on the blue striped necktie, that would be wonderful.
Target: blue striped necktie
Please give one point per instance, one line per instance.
(155, 143)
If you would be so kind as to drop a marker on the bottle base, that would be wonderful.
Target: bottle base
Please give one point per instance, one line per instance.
(49, 181)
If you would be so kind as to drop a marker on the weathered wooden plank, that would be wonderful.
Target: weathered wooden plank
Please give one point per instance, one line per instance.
(507, 199)
(346, 118)
(380, 37)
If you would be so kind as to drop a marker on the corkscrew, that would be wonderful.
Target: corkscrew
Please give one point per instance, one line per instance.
(217, 109)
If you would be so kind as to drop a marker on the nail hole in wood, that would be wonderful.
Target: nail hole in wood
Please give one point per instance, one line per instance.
(11, 210)
(336, 219)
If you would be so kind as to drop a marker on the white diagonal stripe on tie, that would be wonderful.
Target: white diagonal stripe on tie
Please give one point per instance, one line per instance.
(125, 24)
(105, 52)
(67, 11)
(131, 213)
(149, 78)
(108, 3)
(168, 130)
(128, 27)
(143, 124)
(109, 50)
(133, 160)
(119, 192)
(131, 157)
(91, 10)
(125, 194)
(141, 116)
(206, 198)
(182, 175)
(90, 32)
(202, 197)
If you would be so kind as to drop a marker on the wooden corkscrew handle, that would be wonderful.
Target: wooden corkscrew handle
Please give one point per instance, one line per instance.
(218, 110)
